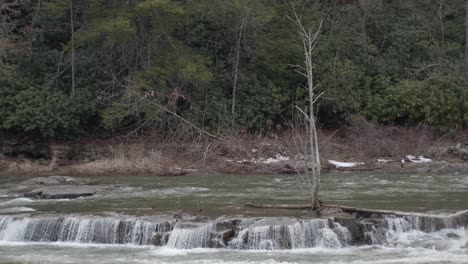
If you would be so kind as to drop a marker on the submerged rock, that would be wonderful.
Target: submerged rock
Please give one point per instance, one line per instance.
(63, 192)
(453, 235)
(355, 228)
(54, 180)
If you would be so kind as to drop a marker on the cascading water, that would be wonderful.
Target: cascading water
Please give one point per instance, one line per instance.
(411, 230)
(244, 234)
(99, 230)
(188, 237)
(267, 235)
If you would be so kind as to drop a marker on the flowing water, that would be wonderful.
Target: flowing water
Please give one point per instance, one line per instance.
(133, 221)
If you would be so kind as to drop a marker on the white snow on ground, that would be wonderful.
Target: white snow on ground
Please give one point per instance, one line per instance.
(384, 160)
(278, 158)
(420, 159)
(345, 164)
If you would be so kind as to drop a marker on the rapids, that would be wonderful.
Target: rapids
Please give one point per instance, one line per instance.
(136, 223)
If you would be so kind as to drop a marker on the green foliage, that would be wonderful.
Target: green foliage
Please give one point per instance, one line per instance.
(260, 104)
(400, 64)
(434, 102)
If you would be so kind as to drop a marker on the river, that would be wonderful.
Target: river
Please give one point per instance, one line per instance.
(121, 224)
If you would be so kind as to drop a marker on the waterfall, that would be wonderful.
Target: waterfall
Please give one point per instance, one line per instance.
(193, 236)
(396, 228)
(301, 234)
(264, 234)
(243, 234)
(78, 229)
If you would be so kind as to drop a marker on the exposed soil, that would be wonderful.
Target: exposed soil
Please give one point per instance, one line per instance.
(375, 149)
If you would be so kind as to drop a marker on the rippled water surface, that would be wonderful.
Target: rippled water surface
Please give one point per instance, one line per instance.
(225, 194)
(221, 195)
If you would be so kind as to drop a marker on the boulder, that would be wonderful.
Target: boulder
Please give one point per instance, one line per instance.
(458, 152)
(356, 228)
(225, 231)
(63, 192)
(453, 235)
(54, 180)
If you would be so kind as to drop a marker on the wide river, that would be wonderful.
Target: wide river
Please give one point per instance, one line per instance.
(214, 196)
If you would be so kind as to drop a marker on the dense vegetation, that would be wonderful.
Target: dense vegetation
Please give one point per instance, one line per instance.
(78, 67)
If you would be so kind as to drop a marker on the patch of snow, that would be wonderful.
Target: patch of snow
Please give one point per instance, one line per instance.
(301, 157)
(345, 164)
(188, 170)
(254, 150)
(384, 160)
(278, 158)
(420, 159)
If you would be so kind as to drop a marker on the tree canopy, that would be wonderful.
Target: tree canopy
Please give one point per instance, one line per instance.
(393, 62)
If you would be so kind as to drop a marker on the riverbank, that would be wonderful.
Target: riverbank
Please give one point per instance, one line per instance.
(362, 148)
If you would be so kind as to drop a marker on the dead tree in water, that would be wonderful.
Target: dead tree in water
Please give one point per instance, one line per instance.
(313, 166)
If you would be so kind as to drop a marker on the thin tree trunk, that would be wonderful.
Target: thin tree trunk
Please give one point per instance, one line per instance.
(236, 62)
(363, 7)
(442, 24)
(72, 47)
(167, 110)
(466, 41)
(312, 130)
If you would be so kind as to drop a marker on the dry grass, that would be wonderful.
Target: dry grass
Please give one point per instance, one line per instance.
(154, 155)
(366, 140)
(25, 166)
(127, 159)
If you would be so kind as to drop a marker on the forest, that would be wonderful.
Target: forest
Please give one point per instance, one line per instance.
(72, 68)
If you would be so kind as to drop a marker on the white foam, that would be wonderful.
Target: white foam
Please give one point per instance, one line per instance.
(180, 190)
(17, 201)
(16, 210)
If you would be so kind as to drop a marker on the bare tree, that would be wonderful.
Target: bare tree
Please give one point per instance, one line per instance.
(72, 47)
(313, 169)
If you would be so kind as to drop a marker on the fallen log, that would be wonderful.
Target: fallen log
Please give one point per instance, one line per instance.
(349, 209)
(280, 206)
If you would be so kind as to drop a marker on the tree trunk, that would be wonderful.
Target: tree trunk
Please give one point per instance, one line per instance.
(72, 47)
(363, 18)
(466, 41)
(243, 19)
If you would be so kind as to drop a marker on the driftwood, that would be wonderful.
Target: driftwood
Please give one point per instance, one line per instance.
(280, 206)
(349, 209)
(394, 212)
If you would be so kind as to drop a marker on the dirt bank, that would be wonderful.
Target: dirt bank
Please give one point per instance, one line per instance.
(355, 149)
